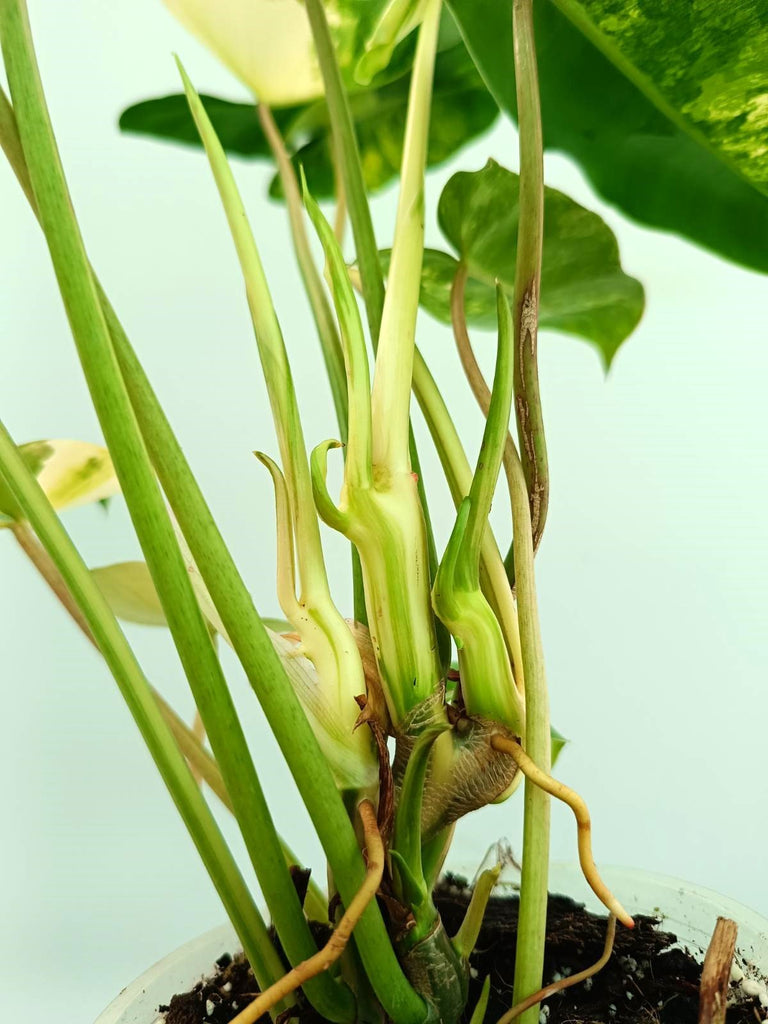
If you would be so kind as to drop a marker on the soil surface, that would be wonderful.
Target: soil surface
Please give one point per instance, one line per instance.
(645, 981)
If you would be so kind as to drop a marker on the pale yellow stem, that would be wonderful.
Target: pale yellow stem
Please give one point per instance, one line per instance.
(335, 946)
(568, 796)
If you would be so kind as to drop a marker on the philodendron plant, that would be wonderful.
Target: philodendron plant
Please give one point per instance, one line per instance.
(349, 96)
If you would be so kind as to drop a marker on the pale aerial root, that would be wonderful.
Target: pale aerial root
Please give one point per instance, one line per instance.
(573, 979)
(334, 947)
(579, 808)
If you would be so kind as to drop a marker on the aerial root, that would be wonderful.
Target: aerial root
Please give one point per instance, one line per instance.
(333, 949)
(573, 979)
(579, 808)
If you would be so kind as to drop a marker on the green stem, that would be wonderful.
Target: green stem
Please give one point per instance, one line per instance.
(146, 505)
(487, 680)
(529, 511)
(325, 635)
(369, 264)
(358, 454)
(477, 382)
(264, 671)
(330, 343)
(321, 310)
(530, 422)
(529, 963)
(394, 357)
(107, 635)
(458, 474)
(391, 397)
(11, 145)
(494, 436)
(346, 148)
(286, 718)
(198, 758)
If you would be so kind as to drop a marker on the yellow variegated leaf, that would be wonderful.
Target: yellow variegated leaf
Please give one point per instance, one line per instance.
(70, 472)
(77, 473)
(130, 592)
(268, 44)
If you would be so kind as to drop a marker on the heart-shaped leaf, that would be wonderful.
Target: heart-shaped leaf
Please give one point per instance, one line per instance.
(462, 109)
(584, 291)
(236, 124)
(70, 472)
(664, 105)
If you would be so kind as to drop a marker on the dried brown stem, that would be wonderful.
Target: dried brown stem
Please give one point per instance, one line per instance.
(716, 974)
(42, 561)
(335, 946)
(562, 792)
(573, 979)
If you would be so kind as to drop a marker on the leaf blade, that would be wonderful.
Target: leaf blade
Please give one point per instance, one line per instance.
(633, 155)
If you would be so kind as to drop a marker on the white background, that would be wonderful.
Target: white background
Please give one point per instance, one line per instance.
(652, 573)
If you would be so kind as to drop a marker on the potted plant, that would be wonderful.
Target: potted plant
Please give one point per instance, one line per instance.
(337, 691)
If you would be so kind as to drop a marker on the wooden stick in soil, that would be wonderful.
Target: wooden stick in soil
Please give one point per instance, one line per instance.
(716, 974)
(568, 796)
(573, 979)
(335, 946)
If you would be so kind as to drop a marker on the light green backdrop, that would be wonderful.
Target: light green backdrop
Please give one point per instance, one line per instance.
(652, 573)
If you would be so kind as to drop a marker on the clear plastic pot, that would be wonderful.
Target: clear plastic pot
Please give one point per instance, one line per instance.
(689, 911)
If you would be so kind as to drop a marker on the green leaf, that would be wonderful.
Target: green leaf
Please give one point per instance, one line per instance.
(703, 64)
(558, 743)
(130, 593)
(462, 110)
(481, 1006)
(236, 124)
(70, 473)
(663, 106)
(584, 291)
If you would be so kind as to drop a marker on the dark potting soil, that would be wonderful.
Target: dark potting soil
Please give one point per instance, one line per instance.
(645, 981)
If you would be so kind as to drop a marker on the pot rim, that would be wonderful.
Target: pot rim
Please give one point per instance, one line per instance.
(194, 959)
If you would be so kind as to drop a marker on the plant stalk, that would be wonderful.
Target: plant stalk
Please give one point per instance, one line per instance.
(458, 474)
(530, 422)
(261, 664)
(146, 504)
(97, 617)
(201, 762)
(529, 507)
(348, 155)
(286, 718)
(474, 374)
(321, 309)
(391, 396)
